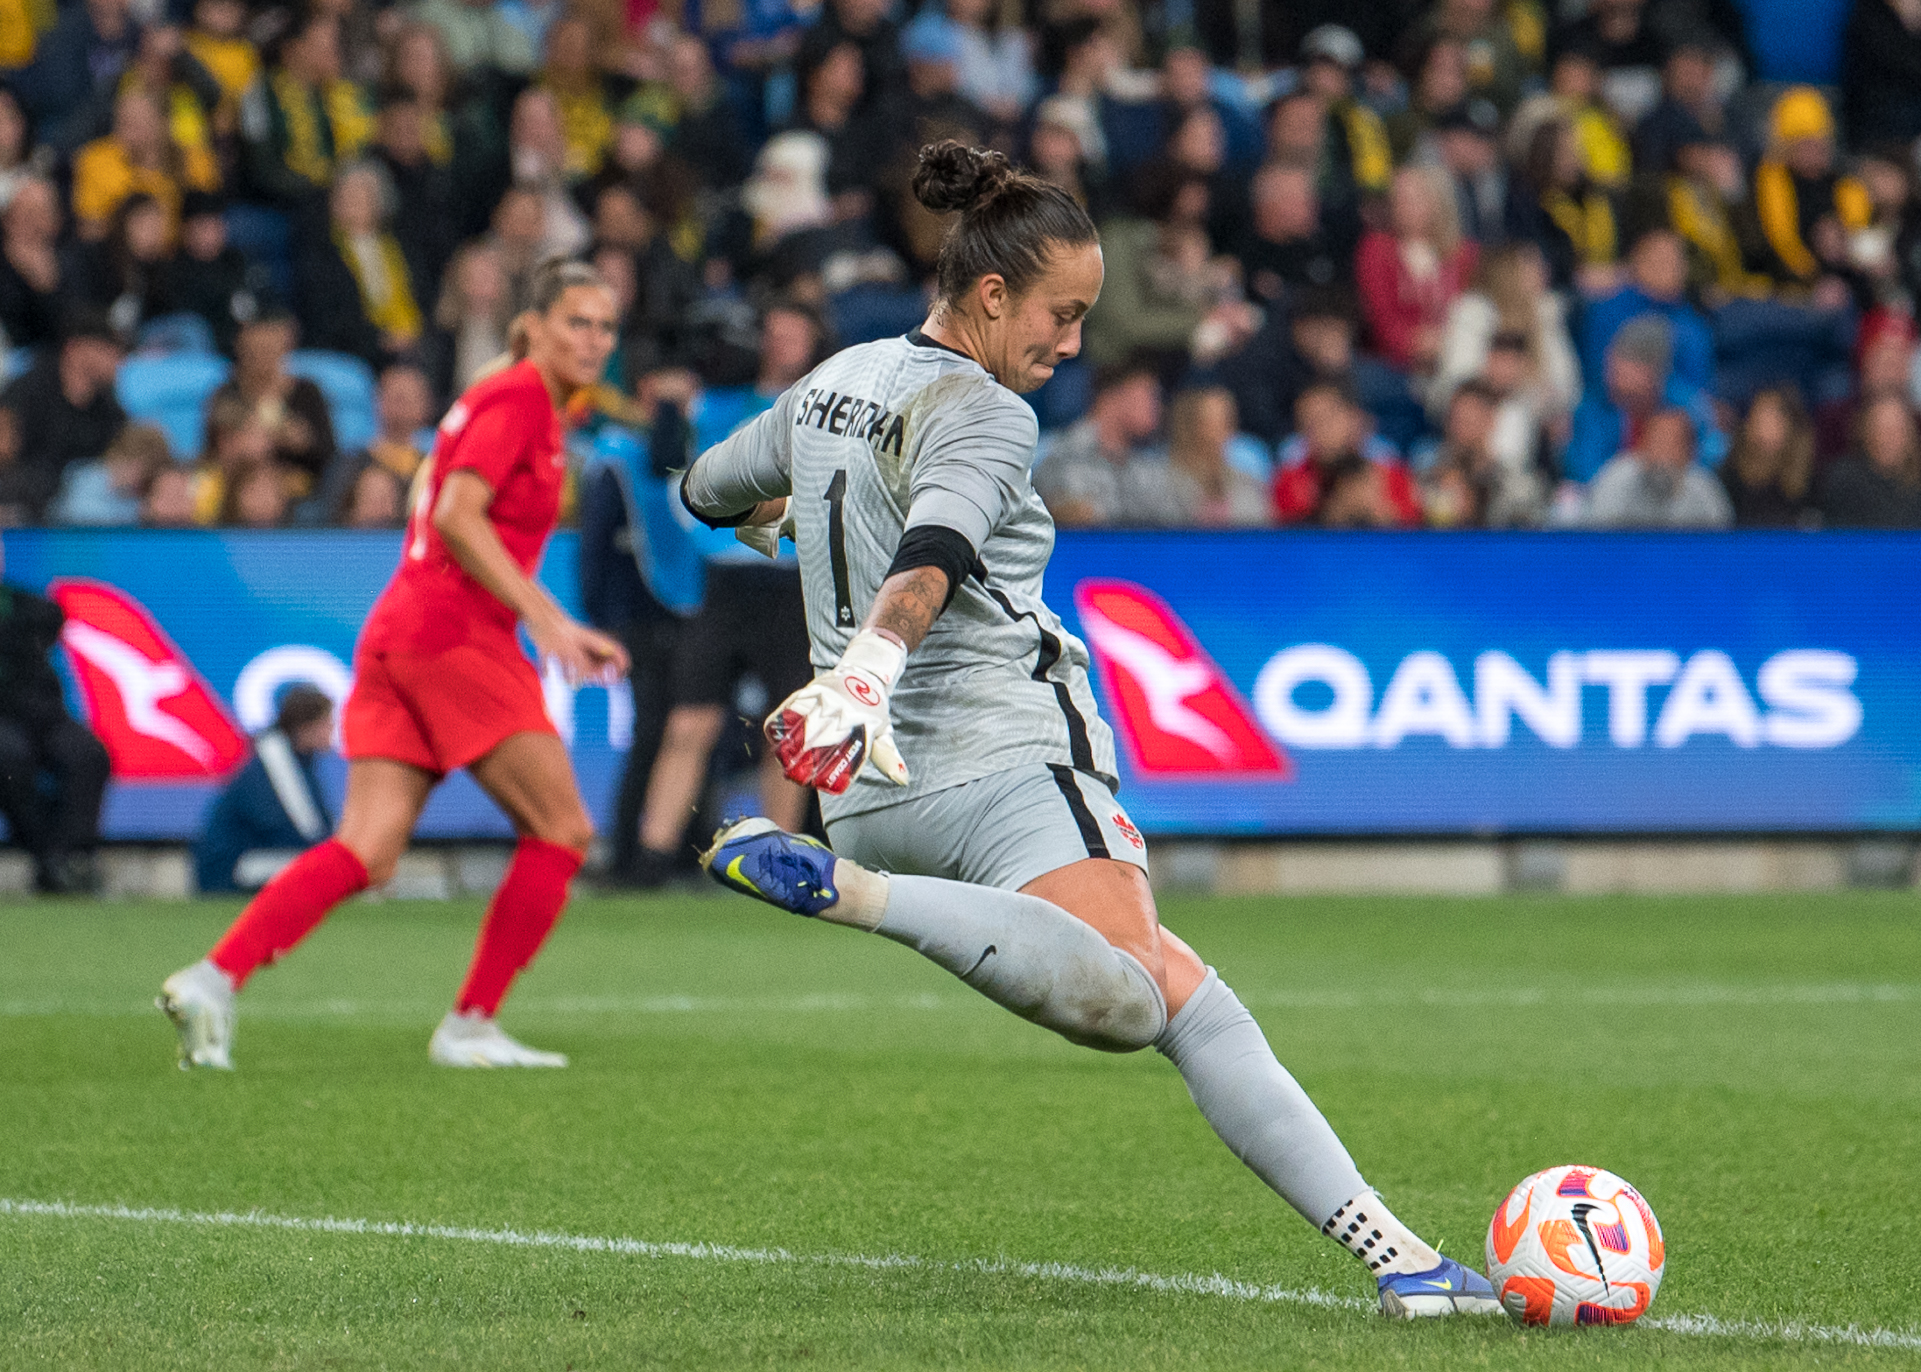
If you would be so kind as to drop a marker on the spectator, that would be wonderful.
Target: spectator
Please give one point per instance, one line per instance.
(425, 212)
(863, 23)
(209, 276)
(1410, 274)
(1355, 495)
(1806, 209)
(538, 153)
(1689, 112)
(138, 157)
(217, 40)
(18, 487)
(1879, 485)
(1881, 72)
(16, 145)
(64, 407)
(1058, 151)
(168, 501)
(1331, 429)
(1213, 493)
(1500, 49)
(290, 409)
(256, 497)
(1287, 247)
(1606, 156)
(1510, 295)
(127, 274)
(855, 134)
(1331, 58)
(480, 37)
(1101, 472)
(1770, 467)
(1555, 205)
(376, 499)
(33, 270)
(996, 67)
(470, 321)
(1437, 75)
(404, 405)
(274, 808)
(1656, 285)
(1459, 474)
(1705, 195)
(579, 93)
(237, 441)
(107, 491)
(703, 131)
(304, 120)
(1464, 143)
(1637, 379)
(1166, 292)
(80, 59)
(53, 772)
(357, 291)
(1657, 484)
(1617, 37)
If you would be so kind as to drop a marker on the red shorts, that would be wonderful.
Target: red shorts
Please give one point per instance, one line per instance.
(441, 710)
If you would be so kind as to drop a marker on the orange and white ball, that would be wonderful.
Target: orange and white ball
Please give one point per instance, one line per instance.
(1575, 1245)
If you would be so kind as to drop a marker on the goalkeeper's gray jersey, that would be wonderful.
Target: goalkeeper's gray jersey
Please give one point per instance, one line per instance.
(885, 437)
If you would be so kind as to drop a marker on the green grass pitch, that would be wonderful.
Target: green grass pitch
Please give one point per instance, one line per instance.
(748, 1081)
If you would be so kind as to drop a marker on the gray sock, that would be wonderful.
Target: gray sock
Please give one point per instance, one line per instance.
(1031, 956)
(1260, 1112)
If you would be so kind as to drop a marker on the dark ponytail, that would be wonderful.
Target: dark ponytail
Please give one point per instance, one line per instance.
(1010, 220)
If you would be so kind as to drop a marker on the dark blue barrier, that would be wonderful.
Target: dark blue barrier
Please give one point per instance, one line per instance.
(1366, 684)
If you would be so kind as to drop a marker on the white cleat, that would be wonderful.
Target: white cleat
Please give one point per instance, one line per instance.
(200, 1002)
(477, 1041)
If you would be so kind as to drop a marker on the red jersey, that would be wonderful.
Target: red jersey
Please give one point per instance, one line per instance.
(506, 430)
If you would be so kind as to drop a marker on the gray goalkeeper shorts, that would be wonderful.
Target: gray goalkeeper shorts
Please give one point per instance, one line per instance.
(1003, 830)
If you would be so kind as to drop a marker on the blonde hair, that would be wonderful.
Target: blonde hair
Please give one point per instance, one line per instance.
(1791, 469)
(1445, 225)
(1184, 436)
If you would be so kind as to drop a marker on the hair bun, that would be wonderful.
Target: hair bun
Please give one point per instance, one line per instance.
(953, 176)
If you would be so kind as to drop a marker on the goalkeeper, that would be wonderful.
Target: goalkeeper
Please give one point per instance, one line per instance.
(952, 729)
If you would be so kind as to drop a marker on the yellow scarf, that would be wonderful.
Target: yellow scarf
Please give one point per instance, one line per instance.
(1704, 224)
(349, 126)
(394, 311)
(1588, 223)
(587, 126)
(1367, 143)
(232, 62)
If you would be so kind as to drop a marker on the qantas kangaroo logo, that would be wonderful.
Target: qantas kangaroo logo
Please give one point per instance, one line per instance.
(1177, 711)
(158, 719)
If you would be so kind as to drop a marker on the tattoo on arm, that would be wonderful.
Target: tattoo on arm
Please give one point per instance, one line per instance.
(908, 604)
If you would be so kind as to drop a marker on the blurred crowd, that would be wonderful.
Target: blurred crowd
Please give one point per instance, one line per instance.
(1414, 263)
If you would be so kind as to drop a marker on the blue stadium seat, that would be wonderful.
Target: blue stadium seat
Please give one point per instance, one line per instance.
(348, 384)
(172, 390)
(264, 236)
(869, 312)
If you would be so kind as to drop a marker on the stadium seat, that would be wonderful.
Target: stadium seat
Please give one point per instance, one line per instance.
(183, 332)
(348, 384)
(264, 236)
(171, 390)
(870, 312)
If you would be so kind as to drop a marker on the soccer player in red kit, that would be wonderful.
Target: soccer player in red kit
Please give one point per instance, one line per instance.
(440, 683)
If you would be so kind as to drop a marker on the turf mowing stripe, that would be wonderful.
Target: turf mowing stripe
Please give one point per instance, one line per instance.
(1183, 1284)
(1517, 998)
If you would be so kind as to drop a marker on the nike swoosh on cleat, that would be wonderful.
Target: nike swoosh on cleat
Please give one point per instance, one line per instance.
(739, 877)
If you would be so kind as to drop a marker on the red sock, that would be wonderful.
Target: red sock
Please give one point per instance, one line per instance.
(288, 908)
(518, 920)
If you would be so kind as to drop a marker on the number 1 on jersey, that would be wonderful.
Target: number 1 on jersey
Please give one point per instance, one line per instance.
(837, 548)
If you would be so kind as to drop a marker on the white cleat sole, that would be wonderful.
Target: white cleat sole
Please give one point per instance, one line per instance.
(530, 1059)
(193, 1023)
(1436, 1306)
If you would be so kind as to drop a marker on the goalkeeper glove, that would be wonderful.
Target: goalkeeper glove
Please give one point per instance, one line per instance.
(765, 538)
(824, 731)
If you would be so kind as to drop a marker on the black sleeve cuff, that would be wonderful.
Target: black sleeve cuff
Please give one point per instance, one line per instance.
(936, 545)
(732, 521)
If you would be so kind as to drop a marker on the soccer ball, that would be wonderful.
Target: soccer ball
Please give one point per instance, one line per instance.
(1575, 1245)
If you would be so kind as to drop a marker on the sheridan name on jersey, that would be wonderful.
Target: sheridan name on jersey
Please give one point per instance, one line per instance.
(885, 437)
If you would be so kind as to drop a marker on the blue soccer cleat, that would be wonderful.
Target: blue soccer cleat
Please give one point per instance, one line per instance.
(1449, 1289)
(760, 859)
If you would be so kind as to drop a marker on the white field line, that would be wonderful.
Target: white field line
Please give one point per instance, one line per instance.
(1186, 1284)
(1682, 995)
